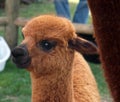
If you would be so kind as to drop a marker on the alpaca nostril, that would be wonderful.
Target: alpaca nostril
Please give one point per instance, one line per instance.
(19, 52)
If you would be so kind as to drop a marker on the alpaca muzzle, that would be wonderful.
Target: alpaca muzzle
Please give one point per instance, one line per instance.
(20, 56)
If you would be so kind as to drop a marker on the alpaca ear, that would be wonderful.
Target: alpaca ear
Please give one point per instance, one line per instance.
(83, 46)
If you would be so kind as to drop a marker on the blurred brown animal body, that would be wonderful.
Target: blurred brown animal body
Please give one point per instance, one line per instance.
(58, 72)
(106, 20)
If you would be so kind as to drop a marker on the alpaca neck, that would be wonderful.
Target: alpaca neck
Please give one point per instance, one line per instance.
(52, 88)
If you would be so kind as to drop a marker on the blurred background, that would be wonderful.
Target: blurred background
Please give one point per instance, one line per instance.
(15, 85)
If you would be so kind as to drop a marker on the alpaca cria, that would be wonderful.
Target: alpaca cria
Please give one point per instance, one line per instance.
(58, 72)
(106, 20)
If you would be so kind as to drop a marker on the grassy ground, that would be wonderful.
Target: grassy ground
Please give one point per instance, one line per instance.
(15, 84)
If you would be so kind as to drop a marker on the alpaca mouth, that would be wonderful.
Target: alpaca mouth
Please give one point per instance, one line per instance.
(23, 62)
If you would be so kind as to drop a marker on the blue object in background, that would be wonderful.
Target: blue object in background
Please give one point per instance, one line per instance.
(81, 13)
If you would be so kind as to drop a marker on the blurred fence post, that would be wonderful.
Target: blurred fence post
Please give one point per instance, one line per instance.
(11, 30)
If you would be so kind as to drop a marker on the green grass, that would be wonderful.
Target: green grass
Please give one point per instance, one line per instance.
(36, 9)
(97, 71)
(15, 85)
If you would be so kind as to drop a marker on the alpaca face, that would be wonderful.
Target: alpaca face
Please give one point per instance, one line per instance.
(49, 45)
(46, 44)
(48, 55)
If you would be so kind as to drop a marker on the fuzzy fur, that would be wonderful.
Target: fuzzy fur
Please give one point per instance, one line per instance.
(62, 74)
(106, 20)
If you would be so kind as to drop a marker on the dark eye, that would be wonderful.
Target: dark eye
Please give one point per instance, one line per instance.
(47, 45)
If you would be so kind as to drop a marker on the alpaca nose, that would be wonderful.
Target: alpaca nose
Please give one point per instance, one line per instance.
(20, 56)
(19, 51)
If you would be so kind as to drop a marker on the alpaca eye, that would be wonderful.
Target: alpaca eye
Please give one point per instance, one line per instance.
(47, 45)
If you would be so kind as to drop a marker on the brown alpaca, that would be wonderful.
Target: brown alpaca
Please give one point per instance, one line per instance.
(106, 19)
(58, 72)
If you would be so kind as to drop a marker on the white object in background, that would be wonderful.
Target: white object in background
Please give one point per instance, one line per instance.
(4, 53)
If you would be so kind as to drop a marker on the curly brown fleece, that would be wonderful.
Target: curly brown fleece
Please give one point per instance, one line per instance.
(60, 74)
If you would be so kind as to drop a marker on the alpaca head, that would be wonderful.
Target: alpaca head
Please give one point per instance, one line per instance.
(49, 44)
